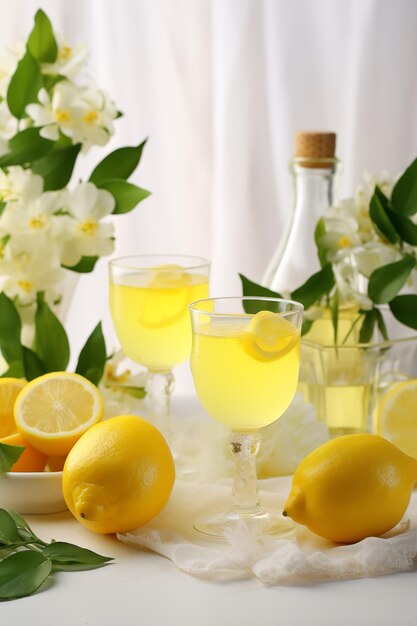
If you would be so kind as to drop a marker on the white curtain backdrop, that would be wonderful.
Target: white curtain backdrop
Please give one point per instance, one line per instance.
(220, 87)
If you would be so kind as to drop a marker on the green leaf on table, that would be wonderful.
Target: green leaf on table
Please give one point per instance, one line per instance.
(386, 281)
(254, 290)
(92, 357)
(8, 456)
(118, 164)
(8, 529)
(404, 194)
(24, 85)
(33, 364)
(42, 43)
(406, 229)
(126, 195)
(10, 329)
(378, 214)
(22, 573)
(67, 556)
(319, 231)
(368, 326)
(85, 266)
(26, 146)
(57, 166)
(318, 285)
(51, 340)
(404, 309)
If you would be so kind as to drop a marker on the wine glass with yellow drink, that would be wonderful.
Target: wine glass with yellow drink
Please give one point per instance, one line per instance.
(149, 302)
(245, 360)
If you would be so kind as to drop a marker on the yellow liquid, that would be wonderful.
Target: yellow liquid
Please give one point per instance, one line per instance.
(152, 318)
(236, 388)
(344, 408)
(338, 384)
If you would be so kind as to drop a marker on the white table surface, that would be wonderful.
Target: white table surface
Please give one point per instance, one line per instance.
(141, 588)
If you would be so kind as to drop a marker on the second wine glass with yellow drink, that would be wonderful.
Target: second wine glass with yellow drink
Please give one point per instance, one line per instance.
(149, 301)
(245, 360)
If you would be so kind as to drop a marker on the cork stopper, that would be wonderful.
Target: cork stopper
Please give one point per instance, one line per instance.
(314, 146)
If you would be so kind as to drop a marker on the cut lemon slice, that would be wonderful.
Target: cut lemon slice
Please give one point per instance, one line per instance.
(270, 336)
(54, 410)
(9, 390)
(167, 297)
(169, 277)
(397, 416)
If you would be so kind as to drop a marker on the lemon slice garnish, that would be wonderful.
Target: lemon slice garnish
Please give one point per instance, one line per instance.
(168, 297)
(397, 416)
(270, 336)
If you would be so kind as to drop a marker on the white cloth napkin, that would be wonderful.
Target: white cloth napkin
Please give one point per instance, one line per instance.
(303, 557)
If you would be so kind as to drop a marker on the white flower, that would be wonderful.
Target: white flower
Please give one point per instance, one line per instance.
(30, 266)
(341, 232)
(86, 206)
(69, 59)
(18, 184)
(372, 255)
(8, 123)
(94, 120)
(35, 217)
(85, 114)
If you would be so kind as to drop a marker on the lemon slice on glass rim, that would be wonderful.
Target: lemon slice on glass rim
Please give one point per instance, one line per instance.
(54, 410)
(270, 336)
(397, 416)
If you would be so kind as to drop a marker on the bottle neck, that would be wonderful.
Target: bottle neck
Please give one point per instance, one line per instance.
(315, 184)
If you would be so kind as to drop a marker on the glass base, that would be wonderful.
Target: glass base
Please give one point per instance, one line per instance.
(216, 527)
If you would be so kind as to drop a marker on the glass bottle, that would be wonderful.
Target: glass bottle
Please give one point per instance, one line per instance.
(313, 168)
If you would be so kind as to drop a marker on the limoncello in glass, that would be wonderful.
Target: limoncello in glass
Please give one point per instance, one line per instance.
(246, 377)
(245, 359)
(150, 314)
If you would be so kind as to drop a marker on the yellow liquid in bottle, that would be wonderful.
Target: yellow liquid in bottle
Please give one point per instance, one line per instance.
(235, 382)
(151, 315)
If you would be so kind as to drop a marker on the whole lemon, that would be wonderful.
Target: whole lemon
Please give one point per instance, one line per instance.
(352, 487)
(118, 475)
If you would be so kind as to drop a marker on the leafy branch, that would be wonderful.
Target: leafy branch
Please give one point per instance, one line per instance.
(28, 560)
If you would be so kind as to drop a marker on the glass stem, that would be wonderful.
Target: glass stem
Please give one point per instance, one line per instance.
(159, 387)
(245, 493)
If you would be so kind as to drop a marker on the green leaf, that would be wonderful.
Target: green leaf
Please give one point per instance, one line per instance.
(22, 574)
(255, 290)
(404, 194)
(26, 146)
(118, 164)
(135, 392)
(126, 195)
(50, 80)
(33, 365)
(10, 329)
(15, 370)
(93, 356)
(24, 85)
(84, 266)
(404, 309)
(406, 229)
(386, 281)
(317, 286)
(334, 310)
(51, 340)
(67, 556)
(57, 166)
(381, 324)
(320, 230)
(368, 326)
(41, 42)
(307, 324)
(8, 456)
(8, 529)
(378, 215)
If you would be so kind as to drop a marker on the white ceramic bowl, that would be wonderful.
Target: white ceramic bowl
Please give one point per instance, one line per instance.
(32, 492)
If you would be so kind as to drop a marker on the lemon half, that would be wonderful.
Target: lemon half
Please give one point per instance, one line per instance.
(397, 416)
(54, 410)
